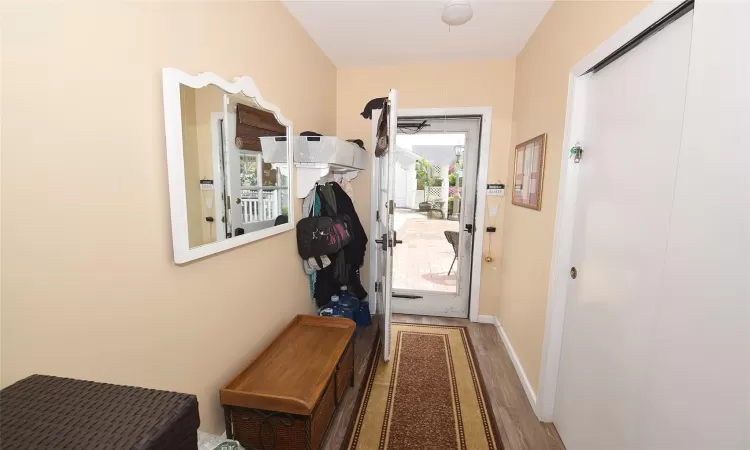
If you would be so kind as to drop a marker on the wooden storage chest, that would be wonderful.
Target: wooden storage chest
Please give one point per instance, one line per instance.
(285, 398)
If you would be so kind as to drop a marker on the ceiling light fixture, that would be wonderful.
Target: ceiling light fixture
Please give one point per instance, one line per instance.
(457, 12)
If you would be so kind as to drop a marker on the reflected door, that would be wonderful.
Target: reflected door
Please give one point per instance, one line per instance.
(258, 185)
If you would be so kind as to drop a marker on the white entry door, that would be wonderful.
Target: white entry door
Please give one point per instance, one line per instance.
(631, 139)
(433, 266)
(384, 238)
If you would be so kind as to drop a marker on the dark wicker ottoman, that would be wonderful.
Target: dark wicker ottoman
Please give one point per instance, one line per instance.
(43, 412)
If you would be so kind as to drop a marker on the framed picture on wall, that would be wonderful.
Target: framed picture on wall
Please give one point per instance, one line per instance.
(529, 173)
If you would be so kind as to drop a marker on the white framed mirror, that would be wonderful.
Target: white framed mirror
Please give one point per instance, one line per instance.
(229, 158)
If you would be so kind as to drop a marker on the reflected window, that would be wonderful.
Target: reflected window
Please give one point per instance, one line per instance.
(249, 169)
(262, 197)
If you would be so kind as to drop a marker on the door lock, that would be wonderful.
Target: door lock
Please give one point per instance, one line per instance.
(383, 242)
(469, 228)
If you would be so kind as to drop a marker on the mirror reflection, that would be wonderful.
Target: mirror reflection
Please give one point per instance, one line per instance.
(236, 165)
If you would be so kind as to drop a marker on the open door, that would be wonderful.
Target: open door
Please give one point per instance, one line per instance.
(385, 236)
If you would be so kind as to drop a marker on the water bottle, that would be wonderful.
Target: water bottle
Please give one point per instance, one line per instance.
(349, 304)
(335, 305)
(363, 314)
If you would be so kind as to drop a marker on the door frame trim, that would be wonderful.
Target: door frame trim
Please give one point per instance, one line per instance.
(566, 199)
(485, 134)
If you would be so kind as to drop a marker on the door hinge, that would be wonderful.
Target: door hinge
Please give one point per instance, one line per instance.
(378, 286)
(390, 206)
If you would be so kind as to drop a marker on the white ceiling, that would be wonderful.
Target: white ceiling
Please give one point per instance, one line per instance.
(394, 32)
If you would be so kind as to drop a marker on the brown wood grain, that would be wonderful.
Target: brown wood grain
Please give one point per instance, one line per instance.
(291, 372)
(256, 118)
(347, 408)
(248, 138)
(252, 124)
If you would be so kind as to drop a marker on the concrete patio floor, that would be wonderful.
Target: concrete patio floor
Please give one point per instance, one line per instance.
(422, 261)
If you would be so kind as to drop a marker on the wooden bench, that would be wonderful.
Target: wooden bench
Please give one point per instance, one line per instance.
(285, 398)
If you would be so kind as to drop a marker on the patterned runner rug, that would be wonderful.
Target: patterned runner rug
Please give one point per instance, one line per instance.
(429, 396)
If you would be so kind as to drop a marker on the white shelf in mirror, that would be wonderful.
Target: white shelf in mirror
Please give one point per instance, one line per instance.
(317, 156)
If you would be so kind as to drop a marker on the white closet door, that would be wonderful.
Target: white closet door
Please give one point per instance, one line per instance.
(632, 134)
(699, 391)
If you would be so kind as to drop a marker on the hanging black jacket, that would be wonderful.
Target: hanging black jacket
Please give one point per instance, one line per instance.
(353, 255)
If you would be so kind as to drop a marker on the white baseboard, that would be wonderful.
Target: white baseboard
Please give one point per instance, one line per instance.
(530, 394)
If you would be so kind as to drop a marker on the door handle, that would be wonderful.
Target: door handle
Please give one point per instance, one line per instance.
(469, 228)
(410, 297)
(384, 243)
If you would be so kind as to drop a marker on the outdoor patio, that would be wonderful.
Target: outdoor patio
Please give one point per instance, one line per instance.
(423, 260)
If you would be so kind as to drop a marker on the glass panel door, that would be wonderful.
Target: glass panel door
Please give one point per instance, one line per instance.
(435, 185)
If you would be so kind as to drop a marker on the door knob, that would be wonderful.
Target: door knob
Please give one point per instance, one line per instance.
(573, 273)
(385, 243)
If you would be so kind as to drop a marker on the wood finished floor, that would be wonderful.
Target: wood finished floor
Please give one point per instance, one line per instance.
(518, 426)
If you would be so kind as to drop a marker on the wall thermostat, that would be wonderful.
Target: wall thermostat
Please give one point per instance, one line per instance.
(496, 190)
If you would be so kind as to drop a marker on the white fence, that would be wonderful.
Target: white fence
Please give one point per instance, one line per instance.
(433, 194)
(254, 211)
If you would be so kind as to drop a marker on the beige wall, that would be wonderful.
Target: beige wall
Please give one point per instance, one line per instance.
(191, 162)
(197, 107)
(569, 31)
(89, 286)
(478, 83)
(208, 100)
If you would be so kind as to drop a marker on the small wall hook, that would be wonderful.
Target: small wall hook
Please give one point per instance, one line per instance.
(576, 152)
